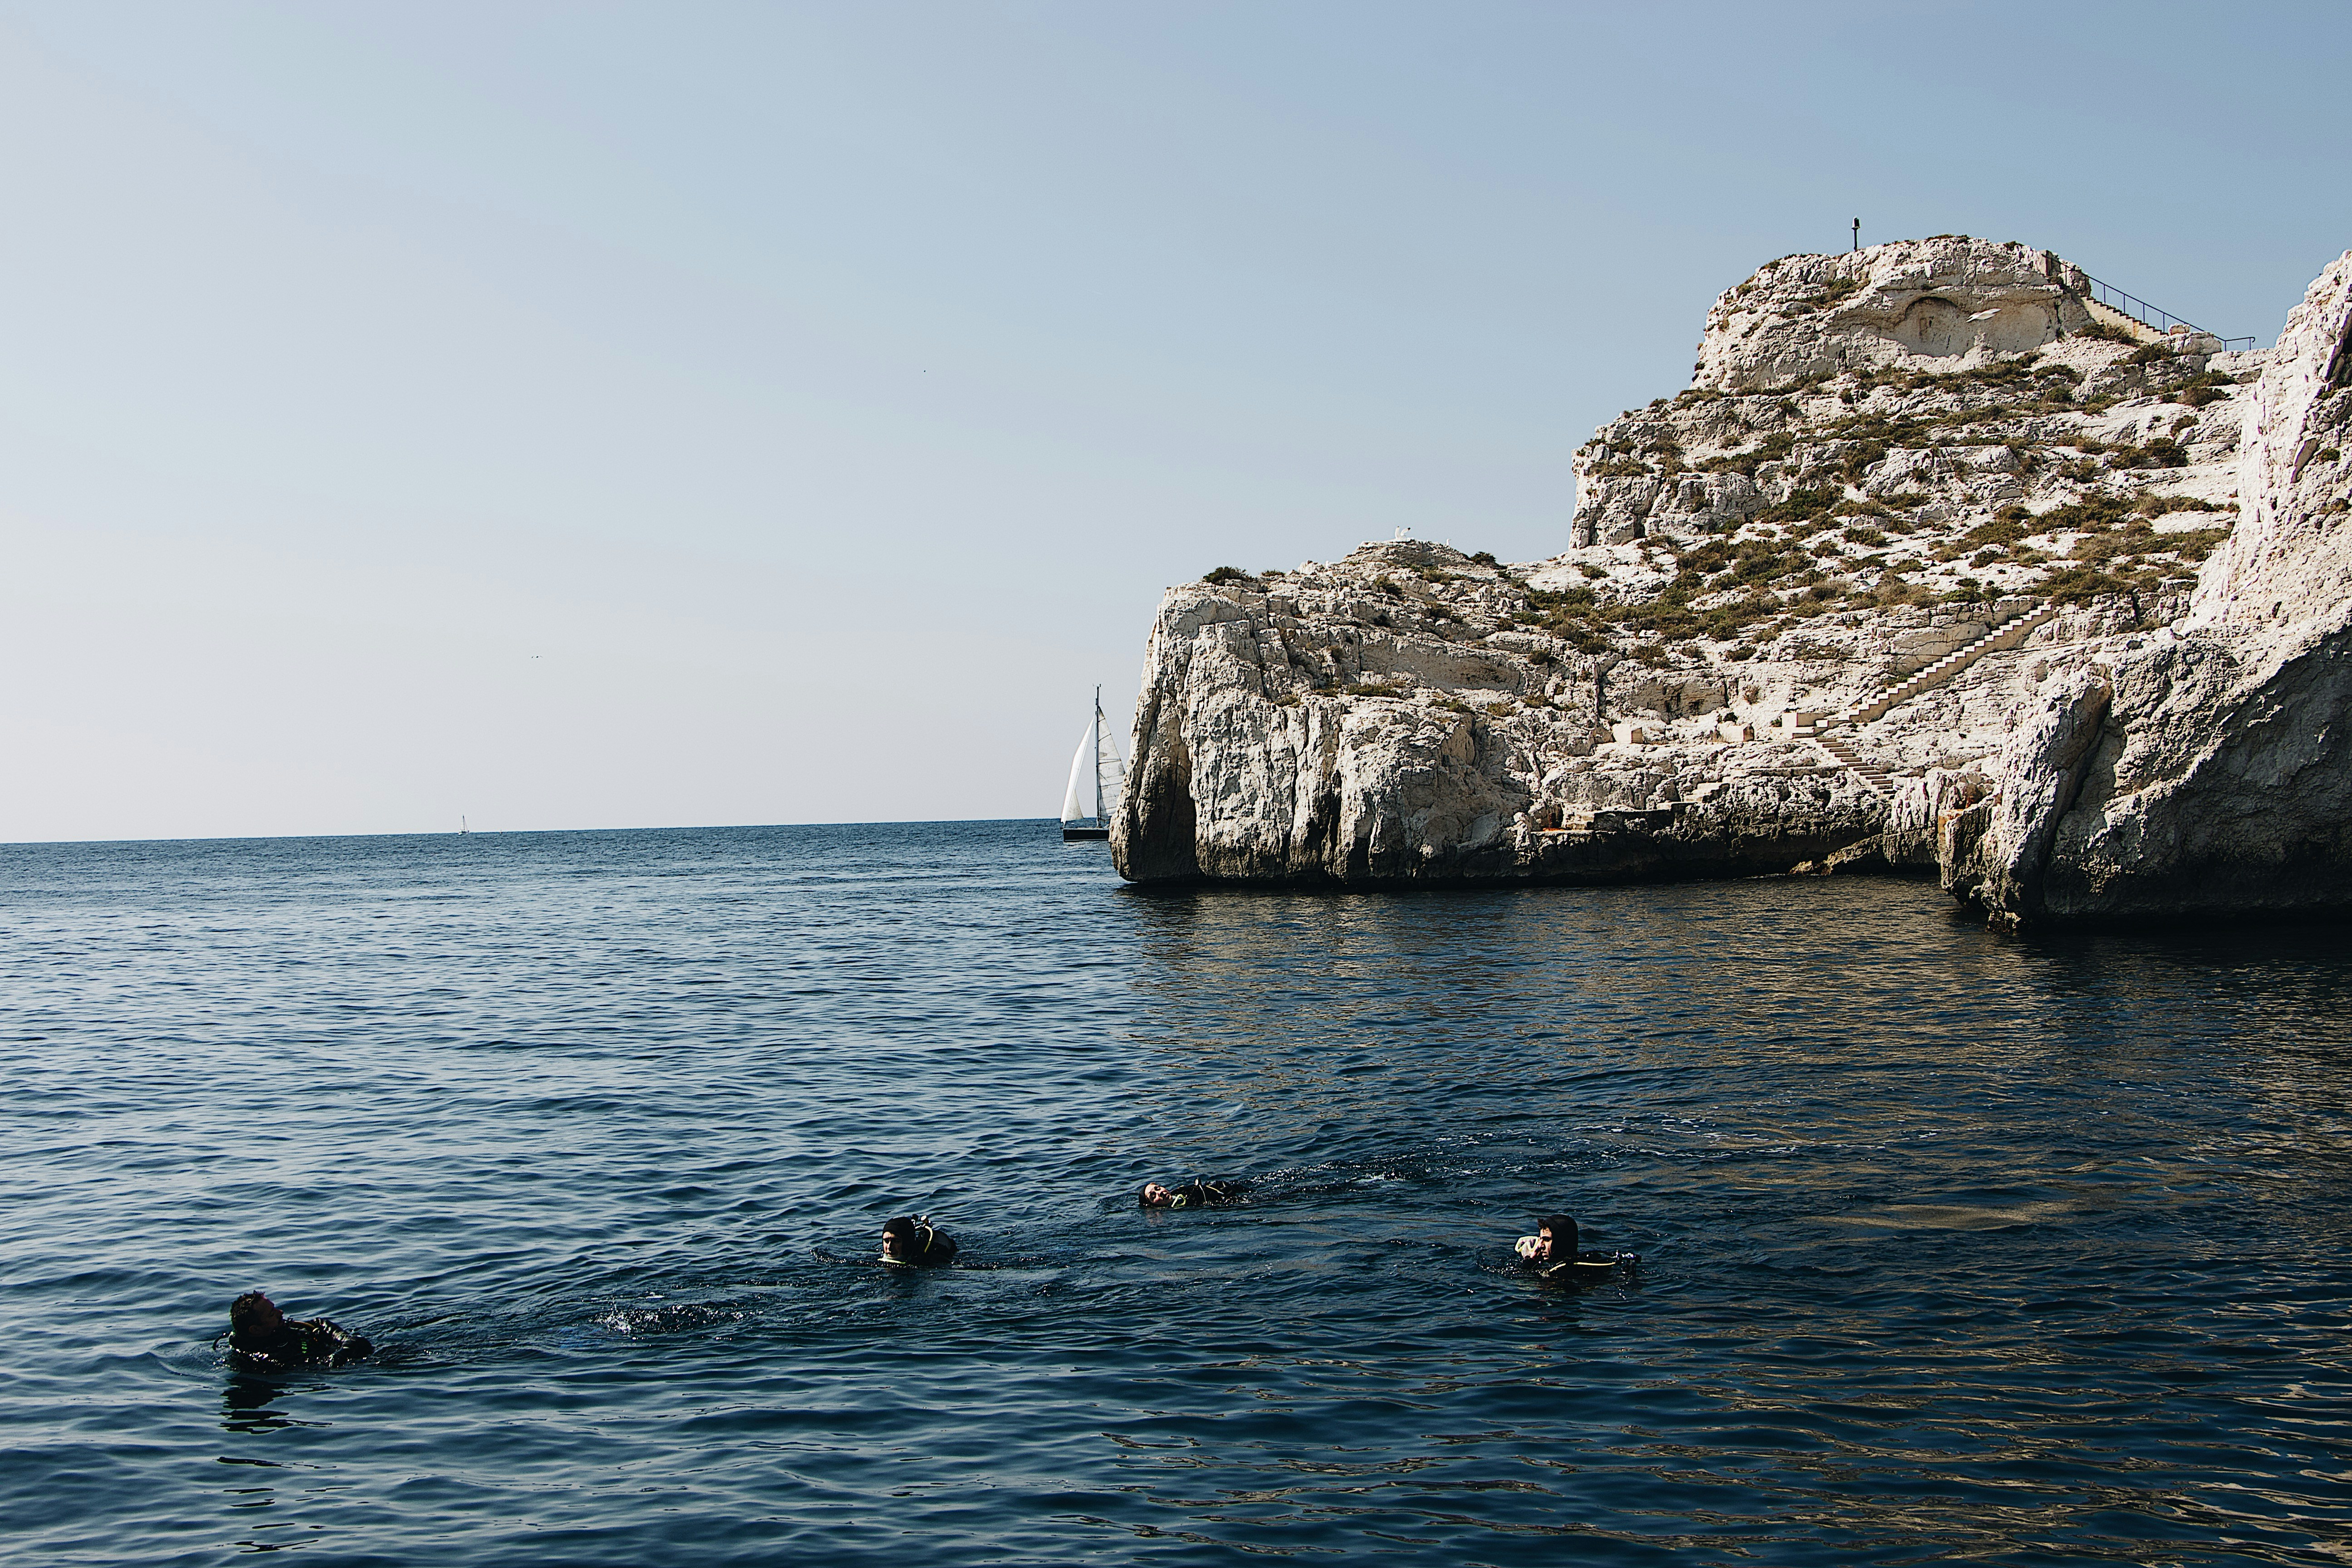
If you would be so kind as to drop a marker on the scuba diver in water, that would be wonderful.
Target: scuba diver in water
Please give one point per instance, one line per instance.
(1193, 1195)
(1551, 1254)
(912, 1241)
(260, 1335)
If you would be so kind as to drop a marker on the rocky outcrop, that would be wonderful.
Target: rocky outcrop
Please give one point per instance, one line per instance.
(1949, 298)
(2215, 780)
(1909, 577)
(1816, 397)
(1387, 722)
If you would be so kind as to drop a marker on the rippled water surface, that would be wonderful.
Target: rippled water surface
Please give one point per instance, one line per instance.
(1955, 1247)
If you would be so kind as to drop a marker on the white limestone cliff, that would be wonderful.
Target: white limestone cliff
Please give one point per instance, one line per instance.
(1889, 584)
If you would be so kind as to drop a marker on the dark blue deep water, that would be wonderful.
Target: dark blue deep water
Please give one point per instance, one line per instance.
(1957, 1248)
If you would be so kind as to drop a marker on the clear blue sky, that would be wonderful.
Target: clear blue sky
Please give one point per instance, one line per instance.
(600, 416)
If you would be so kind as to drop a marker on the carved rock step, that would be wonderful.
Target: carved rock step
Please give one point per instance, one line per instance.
(1880, 780)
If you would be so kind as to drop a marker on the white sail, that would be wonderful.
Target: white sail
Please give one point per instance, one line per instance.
(1110, 767)
(1083, 769)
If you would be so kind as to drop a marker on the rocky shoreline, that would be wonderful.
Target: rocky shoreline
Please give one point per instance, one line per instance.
(1934, 567)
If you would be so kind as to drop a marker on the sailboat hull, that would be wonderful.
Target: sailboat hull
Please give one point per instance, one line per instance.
(1071, 833)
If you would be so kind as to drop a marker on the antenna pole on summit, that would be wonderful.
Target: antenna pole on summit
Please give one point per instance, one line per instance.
(1857, 234)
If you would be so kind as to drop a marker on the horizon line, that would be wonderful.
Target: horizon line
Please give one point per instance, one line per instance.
(517, 832)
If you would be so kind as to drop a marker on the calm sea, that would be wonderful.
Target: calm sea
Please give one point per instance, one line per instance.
(1955, 1247)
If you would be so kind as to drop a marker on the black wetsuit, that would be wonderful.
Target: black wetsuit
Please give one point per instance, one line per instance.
(301, 1342)
(1584, 1266)
(1204, 1195)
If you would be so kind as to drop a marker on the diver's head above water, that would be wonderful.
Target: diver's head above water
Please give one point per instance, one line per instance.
(253, 1321)
(1553, 1242)
(1196, 1193)
(912, 1241)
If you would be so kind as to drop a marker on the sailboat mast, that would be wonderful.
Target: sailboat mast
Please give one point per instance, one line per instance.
(1099, 815)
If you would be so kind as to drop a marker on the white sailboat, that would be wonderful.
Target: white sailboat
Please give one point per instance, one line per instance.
(1098, 773)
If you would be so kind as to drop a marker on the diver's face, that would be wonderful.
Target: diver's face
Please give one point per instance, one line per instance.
(1543, 1243)
(890, 1243)
(1157, 1197)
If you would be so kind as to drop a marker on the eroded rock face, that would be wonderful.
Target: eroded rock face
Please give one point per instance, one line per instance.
(2217, 780)
(1949, 298)
(1906, 494)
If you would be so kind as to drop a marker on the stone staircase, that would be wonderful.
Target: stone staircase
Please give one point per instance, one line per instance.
(2008, 634)
(2123, 321)
(1880, 780)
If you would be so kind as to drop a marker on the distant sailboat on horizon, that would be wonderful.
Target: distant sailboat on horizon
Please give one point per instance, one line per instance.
(1097, 775)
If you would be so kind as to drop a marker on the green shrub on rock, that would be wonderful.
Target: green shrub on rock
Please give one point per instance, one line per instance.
(2077, 584)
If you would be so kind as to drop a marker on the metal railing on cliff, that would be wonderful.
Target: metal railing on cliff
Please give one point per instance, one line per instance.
(2139, 309)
